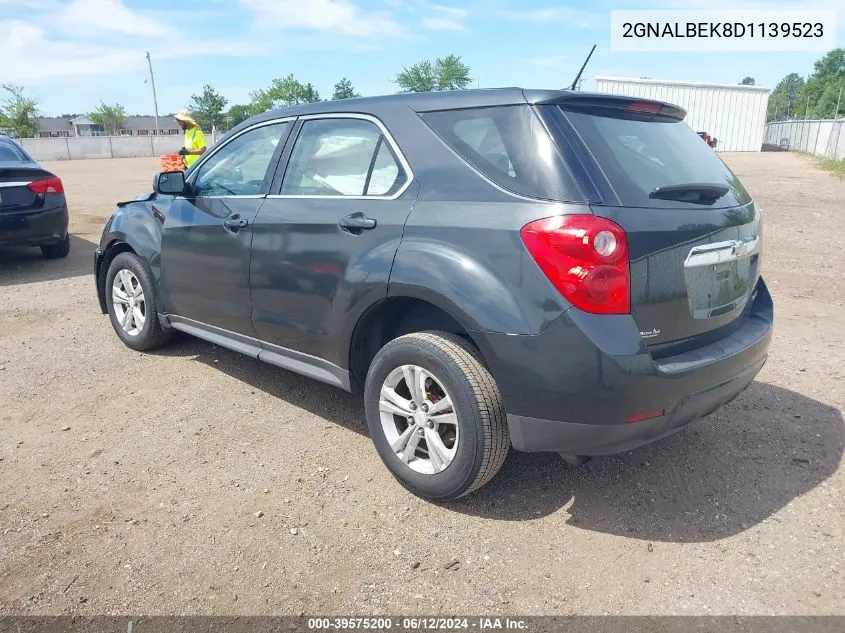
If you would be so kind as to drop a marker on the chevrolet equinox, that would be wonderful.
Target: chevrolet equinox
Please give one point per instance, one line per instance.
(549, 270)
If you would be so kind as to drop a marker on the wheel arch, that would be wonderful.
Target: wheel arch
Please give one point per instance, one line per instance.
(397, 315)
(112, 250)
(132, 228)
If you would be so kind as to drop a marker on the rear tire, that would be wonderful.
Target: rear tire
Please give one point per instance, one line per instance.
(448, 368)
(57, 250)
(131, 303)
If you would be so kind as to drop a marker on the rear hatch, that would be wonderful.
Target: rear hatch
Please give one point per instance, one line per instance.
(693, 231)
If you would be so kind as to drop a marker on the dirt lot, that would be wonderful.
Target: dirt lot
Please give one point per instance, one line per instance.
(130, 483)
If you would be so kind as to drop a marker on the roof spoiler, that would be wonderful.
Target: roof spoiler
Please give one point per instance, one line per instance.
(590, 100)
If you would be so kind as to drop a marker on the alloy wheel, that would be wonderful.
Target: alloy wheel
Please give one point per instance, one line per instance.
(419, 419)
(130, 308)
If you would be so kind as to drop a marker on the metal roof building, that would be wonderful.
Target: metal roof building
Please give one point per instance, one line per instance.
(733, 114)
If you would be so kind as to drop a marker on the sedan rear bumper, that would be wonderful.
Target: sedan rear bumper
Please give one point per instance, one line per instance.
(34, 228)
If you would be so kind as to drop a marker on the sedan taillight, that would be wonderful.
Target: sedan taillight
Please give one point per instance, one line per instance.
(586, 259)
(53, 184)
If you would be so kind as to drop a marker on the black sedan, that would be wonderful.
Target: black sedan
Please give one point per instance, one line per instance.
(33, 209)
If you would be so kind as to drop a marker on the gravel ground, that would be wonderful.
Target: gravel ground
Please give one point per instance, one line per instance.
(196, 481)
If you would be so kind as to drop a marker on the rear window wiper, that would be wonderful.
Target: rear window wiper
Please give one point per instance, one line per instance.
(691, 191)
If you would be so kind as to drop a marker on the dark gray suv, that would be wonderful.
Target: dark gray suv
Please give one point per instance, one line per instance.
(552, 270)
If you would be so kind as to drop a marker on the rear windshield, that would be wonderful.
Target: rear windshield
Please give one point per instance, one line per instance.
(510, 146)
(10, 152)
(640, 155)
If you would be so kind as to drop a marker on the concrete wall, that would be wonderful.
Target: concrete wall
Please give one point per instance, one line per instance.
(822, 137)
(101, 147)
(734, 115)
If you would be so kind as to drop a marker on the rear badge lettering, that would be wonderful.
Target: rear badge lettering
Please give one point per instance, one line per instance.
(650, 333)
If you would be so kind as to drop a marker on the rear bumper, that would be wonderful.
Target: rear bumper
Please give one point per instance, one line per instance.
(34, 228)
(534, 434)
(571, 388)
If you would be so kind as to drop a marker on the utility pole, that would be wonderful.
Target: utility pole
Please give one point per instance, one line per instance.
(153, 83)
(838, 99)
(807, 109)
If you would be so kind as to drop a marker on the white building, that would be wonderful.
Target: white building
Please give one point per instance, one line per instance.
(734, 114)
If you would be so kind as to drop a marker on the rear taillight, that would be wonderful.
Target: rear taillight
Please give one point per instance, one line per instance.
(586, 259)
(53, 184)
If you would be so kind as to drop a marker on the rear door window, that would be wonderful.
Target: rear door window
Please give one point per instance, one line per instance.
(342, 157)
(639, 154)
(483, 137)
(509, 146)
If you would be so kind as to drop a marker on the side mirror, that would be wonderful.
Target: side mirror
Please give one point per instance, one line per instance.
(170, 183)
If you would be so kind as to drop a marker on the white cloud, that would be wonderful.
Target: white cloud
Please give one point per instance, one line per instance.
(99, 18)
(553, 61)
(445, 18)
(55, 41)
(339, 16)
(39, 57)
(454, 12)
(758, 5)
(443, 24)
(573, 17)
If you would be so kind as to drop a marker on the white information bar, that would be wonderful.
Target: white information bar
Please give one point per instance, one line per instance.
(715, 30)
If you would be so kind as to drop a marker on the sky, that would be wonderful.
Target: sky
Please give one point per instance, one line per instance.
(72, 54)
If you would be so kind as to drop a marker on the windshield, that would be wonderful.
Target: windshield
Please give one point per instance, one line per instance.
(642, 155)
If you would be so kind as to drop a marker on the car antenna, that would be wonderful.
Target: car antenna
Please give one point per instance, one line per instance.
(578, 76)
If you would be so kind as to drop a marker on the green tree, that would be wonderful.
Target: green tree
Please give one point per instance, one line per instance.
(832, 102)
(18, 113)
(444, 73)
(237, 114)
(207, 108)
(283, 92)
(784, 98)
(747, 81)
(343, 90)
(815, 96)
(110, 117)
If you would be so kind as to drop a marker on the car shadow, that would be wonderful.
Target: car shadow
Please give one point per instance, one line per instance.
(717, 477)
(20, 265)
(325, 401)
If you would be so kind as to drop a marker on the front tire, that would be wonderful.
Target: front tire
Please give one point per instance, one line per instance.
(435, 415)
(57, 250)
(131, 302)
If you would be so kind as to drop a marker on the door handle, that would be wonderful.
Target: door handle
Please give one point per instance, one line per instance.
(357, 222)
(234, 223)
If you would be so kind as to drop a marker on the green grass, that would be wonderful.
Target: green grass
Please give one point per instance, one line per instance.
(837, 166)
